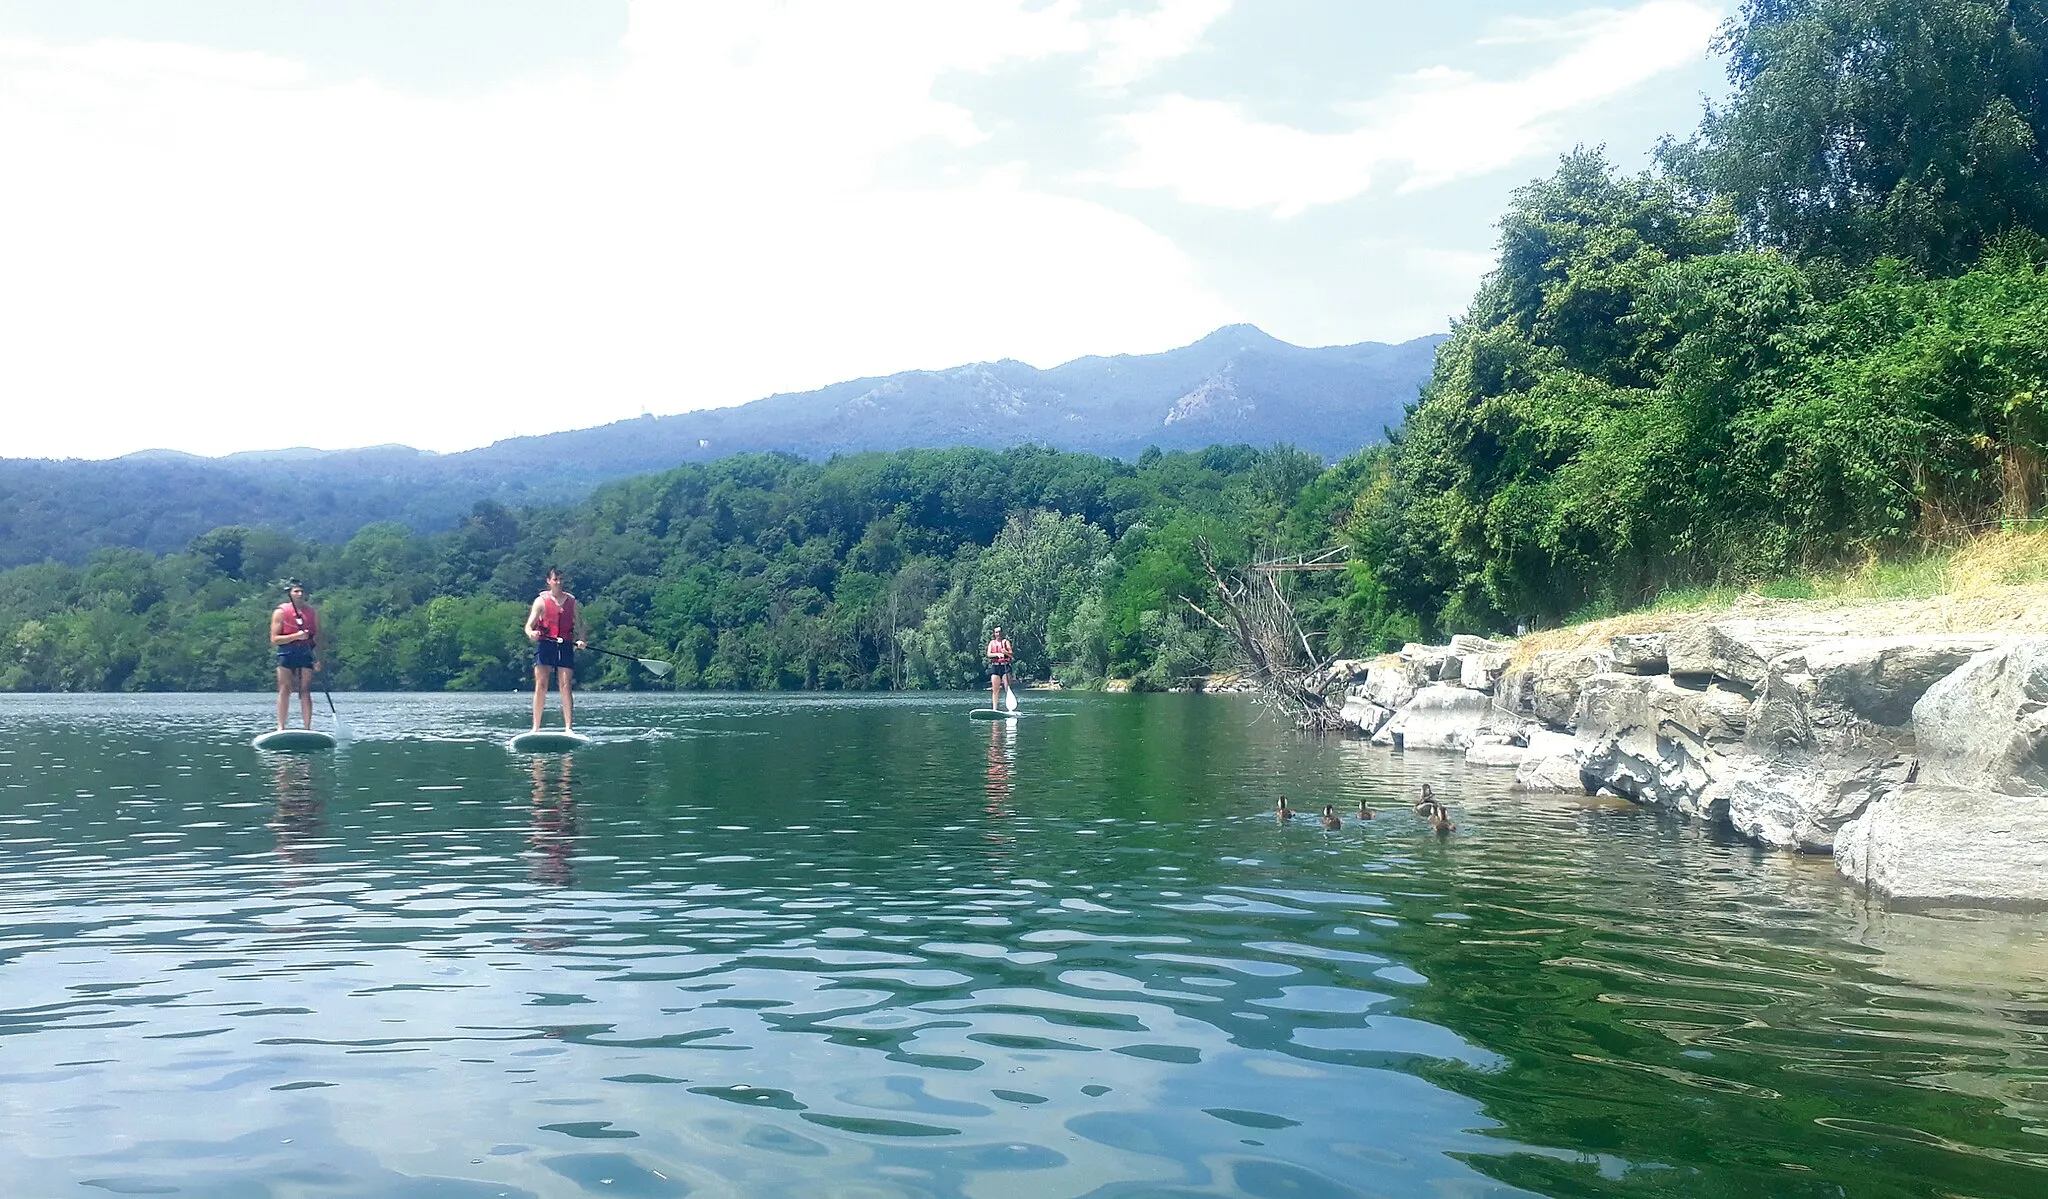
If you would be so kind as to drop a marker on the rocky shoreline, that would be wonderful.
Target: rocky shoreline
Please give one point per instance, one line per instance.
(1919, 760)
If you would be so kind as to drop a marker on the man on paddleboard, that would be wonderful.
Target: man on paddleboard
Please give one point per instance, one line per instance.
(1000, 655)
(551, 626)
(295, 632)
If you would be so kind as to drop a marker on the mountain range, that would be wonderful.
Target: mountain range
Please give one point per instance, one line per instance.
(1237, 385)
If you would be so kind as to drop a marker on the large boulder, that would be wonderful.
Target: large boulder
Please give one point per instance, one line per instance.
(1515, 693)
(1429, 659)
(1482, 671)
(1656, 742)
(1738, 651)
(1557, 678)
(1497, 753)
(1935, 844)
(1466, 645)
(1554, 772)
(1391, 682)
(1441, 716)
(1986, 724)
(1638, 653)
(1800, 804)
(1364, 715)
(1853, 692)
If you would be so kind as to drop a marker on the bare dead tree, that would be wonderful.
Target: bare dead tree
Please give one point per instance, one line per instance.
(1271, 645)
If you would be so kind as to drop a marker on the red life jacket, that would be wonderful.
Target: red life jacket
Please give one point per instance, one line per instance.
(558, 620)
(297, 619)
(999, 651)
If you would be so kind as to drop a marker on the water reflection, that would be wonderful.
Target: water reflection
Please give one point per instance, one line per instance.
(1002, 759)
(553, 825)
(794, 944)
(299, 817)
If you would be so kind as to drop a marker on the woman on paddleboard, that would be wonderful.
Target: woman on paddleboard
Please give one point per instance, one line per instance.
(1000, 656)
(551, 626)
(295, 632)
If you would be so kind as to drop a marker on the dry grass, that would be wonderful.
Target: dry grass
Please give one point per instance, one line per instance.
(1994, 583)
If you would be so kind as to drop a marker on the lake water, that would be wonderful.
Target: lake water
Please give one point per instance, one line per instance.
(770, 946)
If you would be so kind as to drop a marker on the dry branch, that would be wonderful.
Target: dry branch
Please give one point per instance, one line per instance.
(1261, 623)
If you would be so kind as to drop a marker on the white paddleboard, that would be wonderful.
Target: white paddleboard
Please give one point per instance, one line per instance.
(299, 740)
(547, 741)
(993, 714)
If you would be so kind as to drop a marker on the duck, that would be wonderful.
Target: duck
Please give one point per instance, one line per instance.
(1281, 811)
(1427, 804)
(1440, 820)
(1331, 821)
(1364, 813)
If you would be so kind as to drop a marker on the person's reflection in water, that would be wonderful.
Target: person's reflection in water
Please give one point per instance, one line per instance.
(551, 839)
(300, 818)
(1002, 755)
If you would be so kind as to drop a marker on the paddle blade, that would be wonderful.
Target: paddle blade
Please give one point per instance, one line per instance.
(1010, 699)
(658, 669)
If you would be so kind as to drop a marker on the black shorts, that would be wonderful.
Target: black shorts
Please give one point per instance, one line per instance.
(549, 652)
(997, 670)
(296, 656)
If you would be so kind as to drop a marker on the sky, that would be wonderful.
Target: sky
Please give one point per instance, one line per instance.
(251, 224)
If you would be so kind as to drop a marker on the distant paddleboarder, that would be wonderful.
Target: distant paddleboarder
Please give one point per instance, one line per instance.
(295, 631)
(551, 626)
(1000, 657)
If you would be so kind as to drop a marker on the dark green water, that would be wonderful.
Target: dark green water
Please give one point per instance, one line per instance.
(867, 947)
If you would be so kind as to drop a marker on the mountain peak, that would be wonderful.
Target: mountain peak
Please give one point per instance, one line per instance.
(1242, 337)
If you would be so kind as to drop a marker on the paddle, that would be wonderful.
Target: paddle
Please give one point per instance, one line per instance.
(1009, 697)
(341, 732)
(653, 666)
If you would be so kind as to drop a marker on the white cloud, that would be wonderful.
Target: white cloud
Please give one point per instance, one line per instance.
(212, 251)
(1435, 126)
(1132, 46)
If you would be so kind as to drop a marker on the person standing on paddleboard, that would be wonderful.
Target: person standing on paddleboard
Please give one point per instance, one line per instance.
(1000, 656)
(551, 626)
(295, 631)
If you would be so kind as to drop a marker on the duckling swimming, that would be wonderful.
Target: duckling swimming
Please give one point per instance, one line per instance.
(1281, 811)
(1364, 813)
(1440, 820)
(1427, 803)
(1331, 821)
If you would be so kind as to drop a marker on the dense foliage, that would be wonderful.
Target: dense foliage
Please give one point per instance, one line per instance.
(763, 571)
(1819, 329)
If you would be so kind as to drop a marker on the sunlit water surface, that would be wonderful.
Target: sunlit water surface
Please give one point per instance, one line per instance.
(866, 947)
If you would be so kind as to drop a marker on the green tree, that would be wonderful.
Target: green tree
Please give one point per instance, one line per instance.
(1862, 129)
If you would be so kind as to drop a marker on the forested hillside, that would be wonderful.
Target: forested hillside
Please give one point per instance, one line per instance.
(1235, 385)
(870, 571)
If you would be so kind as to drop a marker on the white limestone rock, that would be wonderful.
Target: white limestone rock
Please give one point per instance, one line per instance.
(1801, 805)
(1482, 671)
(1554, 691)
(1935, 844)
(1391, 682)
(1497, 753)
(1364, 715)
(1648, 738)
(1738, 651)
(1638, 653)
(1554, 773)
(1853, 692)
(1986, 724)
(1428, 658)
(1441, 716)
